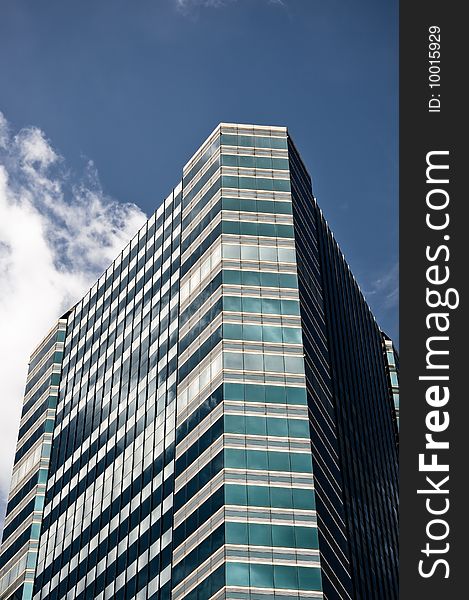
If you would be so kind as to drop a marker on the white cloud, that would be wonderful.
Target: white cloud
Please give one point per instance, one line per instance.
(386, 288)
(57, 235)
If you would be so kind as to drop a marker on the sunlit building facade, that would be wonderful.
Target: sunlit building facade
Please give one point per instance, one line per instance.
(224, 426)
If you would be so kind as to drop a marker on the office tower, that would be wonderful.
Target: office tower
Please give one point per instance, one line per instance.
(225, 426)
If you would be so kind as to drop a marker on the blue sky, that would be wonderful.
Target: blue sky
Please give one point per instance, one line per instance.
(122, 92)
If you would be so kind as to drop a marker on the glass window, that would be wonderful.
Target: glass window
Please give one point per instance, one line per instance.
(268, 253)
(246, 161)
(306, 537)
(237, 574)
(286, 255)
(252, 278)
(271, 306)
(294, 364)
(290, 307)
(281, 497)
(271, 279)
(251, 305)
(256, 426)
(298, 428)
(253, 362)
(231, 251)
(235, 459)
(261, 575)
(236, 494)
(257, 460)
(260, 535)
(236, 533)
(303, 499)
(285, 577)
(279, 461)
(232, 360)
(291, 335)
(273, 363)
(229, 160)
(264, 162)
(277, 427)
(309, 578)
(250, 252)
(254, 393)
(272, 334)
(300, 463)
(258, 495)
(232, 303)
(283, 535)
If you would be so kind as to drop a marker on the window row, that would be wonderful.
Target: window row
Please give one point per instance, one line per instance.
(254, 162)
(262, 333)
(266, 426)
(270, 363)
(260, 534)
(273, 576)
(255, 183)
(270, 496)
(264, 460)
(256, 252)
(251, 141)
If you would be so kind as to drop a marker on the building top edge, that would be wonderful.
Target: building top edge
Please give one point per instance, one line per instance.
(243, 126)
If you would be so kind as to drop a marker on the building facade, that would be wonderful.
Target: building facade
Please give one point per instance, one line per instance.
(224, 427)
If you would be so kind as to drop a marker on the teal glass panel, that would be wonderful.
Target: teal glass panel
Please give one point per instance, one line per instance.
(303, 499)
(281, 497)
(309, 578)
(237, 574)
(229, 160)
(281, 185)
(260, 535)
(291, 335)
(236, 494)
(271, 306)
(232, 277)
(296, 395)
(251, 305)
(298, 428)
(256, 426)
(272, 334)
(306, 537)
(264, 162)
(229, 140)
(278, 143)
(279, 461)
(235, 424)
(255, 393)
(271, 279)
(290, 307)
(273, 363)
(275, 393)
(251, 278)
(235, 459)
(236, 533)
(257, 460)
(229, 181)
(285, 577)
(294, 364)
(258, 495)
(267, 229)
(283, 535)
(232, 303)
(277, 427)
(247, 228)
(261, 575)
(300, 463)
(284, 208)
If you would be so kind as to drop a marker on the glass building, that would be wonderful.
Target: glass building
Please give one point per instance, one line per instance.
(214, 419)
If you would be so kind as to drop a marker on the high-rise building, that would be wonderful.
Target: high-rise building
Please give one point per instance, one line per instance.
(214, 419)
